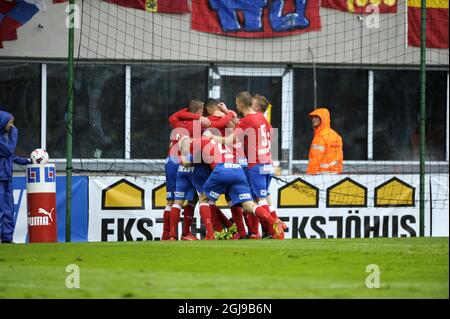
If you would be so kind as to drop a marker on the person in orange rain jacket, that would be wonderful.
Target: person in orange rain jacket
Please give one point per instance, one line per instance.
(325, 154)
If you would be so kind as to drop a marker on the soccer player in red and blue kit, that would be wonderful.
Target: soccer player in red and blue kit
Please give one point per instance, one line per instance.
(191, 178)
(254, 132)
(260, 104)
(227, 176)
(236, 230)
(181, 122)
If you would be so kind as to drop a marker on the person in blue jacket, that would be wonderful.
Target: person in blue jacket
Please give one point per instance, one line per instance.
(8, 142)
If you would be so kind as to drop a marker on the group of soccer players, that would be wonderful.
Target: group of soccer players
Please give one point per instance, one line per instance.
(215, 151)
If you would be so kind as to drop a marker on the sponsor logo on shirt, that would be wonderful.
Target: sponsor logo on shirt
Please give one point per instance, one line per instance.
(185, 169)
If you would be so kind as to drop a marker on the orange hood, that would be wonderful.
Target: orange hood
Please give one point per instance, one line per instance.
(324, 115)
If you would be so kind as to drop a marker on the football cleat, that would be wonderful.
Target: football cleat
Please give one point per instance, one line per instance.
(165, 236)
(220, 234)
(278, 231)
(231, 231)
(266, 236)
(254, 236)
(282, 224)
(237, 237)
(188, 237)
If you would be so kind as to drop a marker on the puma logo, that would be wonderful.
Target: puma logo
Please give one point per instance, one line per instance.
(44, 212)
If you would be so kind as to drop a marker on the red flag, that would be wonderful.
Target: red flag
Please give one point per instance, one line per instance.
(6, 6)
(160, 6)
(362, 6)
(264, 19)
(436, 23)
(14, 14)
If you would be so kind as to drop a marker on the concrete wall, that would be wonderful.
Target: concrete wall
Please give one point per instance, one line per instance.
(112, 32)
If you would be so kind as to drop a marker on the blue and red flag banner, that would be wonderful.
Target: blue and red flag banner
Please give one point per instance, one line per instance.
(256, 18)
(362, 6)
(156, 6)
(14, 14)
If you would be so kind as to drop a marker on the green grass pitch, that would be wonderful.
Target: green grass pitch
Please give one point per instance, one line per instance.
(307, 268)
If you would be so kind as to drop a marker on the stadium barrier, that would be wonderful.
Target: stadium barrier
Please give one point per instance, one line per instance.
(341, 207)
(119, 208)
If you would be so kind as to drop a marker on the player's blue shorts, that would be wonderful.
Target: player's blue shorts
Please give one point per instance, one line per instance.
(171, 169)
(244, 164)
(228, 178)
(184, 189)
(200, 175)
(259, 177)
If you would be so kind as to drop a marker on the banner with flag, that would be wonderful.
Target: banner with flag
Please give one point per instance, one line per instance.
(256, 18)
(362, 6)
(14, 14)
(159, 6)
(436, 23)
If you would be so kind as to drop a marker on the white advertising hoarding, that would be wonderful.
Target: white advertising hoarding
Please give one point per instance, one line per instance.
(321, 206)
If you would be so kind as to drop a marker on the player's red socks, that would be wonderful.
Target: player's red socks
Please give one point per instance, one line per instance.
(273, 213)
(205, 213)
(174, 219)
(217, 226)
(254, 223)
(237, 214)
(263, 203)
(188, 217)
(263, 214)
(267, 227)
(247, 220)
(221, 216)
(166, 225)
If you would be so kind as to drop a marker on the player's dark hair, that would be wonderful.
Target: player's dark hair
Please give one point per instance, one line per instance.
(245, 98)
(263, 102)
(195, 105)
(211, 103)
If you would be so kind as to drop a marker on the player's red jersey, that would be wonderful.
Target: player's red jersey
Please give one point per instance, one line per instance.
(220, 123)
(254, 132)
(183, 125)
(212, 153)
